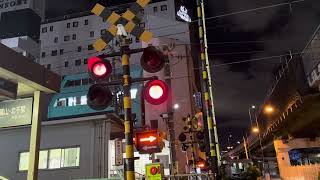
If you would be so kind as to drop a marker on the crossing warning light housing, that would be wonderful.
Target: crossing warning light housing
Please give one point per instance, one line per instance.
(156, 92)
(98, 68)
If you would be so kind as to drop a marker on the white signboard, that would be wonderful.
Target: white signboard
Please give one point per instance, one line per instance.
(183, 14)
(12, 5)
(118, 152)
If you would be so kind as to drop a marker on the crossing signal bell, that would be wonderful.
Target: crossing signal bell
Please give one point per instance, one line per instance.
(99, 97)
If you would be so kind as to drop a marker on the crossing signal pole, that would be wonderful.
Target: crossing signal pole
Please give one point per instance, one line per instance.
(206, 87)
(155, 91)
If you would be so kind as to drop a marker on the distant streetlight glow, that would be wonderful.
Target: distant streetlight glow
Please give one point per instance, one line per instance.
(253, 106)
(268, 109)
(176, 106)
(255, 130)
(238, 142)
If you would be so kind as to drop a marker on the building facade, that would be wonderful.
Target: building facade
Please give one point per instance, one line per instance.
(19, 26)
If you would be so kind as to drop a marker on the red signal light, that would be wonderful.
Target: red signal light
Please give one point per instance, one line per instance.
(156, 92)
(201, 165)
(153, 170)
(152, 60)
(99, 68)
(99, 97)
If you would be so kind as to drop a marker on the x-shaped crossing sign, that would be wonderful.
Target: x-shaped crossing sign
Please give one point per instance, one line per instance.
(128, 20)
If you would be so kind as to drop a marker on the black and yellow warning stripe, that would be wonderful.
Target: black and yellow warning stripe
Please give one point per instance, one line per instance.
(128, 124)
(205, 89)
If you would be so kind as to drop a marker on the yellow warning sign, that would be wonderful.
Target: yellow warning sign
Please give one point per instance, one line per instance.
(154, 171)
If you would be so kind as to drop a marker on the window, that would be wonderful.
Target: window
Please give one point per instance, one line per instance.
(66, 38)
(86, 22)
(24, 160)
(164, 8)
(48, 66)
(75, 24)
(44, 30)
(69, 83)
(66, 64)
(68, 25)
(142, 25)
(56, 40)
(54, 53)
(83, 100)
(62, 102)
(85, 82)
(155, 9)
(85, 61)
(74, 36)
(134, 93)
(91, 33)
(51, 28)
(154, 124)
(79, 48)
(77, 82)
(61, 51)
(77, 62)
(90, 47)
(103, 31)
(53, 158)
(43, 54)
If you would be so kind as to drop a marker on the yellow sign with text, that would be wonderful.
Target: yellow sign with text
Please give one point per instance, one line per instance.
(154, 171)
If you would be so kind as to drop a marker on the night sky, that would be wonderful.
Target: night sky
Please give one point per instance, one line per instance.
(251, 35)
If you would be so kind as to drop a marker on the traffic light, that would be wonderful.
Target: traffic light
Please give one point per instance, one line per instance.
(200, 140)
(148, 142)
(99, 97)
(98, 68)
(156, 92)
(152, 59)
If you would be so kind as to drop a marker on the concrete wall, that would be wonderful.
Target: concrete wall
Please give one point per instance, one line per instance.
(13, 141)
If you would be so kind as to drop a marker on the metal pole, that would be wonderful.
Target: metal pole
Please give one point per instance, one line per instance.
(210, 84)
(35, 137)
(193, 149)
(128, 122)
(207, 107)
(259, 135)
(250, 118)
(170, 119)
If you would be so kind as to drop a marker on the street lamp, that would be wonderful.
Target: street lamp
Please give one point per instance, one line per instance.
(176, 106)
(268, 109)
(255, 129)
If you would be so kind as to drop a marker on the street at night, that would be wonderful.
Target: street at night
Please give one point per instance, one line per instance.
(159, 90)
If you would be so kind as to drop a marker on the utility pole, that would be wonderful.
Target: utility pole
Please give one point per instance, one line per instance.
(170, 119)
(206, 88)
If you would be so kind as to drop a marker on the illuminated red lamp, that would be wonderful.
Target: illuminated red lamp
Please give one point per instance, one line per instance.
(99, 68)
(201, 164)
(153, 170)
(156, 92)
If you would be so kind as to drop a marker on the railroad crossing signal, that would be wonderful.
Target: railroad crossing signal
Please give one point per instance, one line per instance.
(128, 20)
(149, 142)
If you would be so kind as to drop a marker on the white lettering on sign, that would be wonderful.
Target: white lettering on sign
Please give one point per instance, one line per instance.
(183, 14)
(5, 4)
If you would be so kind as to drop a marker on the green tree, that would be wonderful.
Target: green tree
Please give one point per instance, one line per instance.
(251, 173)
